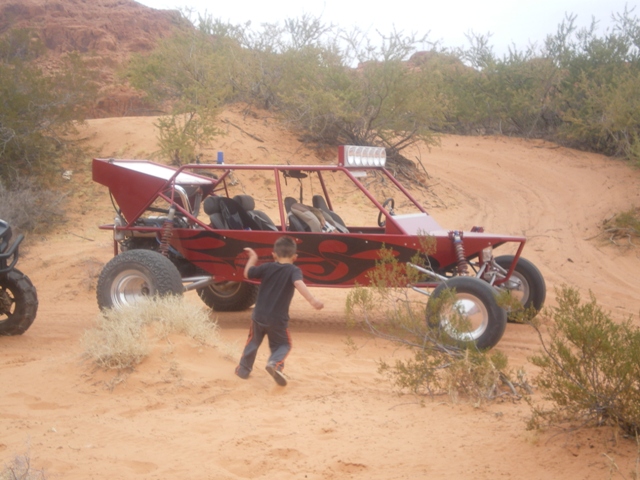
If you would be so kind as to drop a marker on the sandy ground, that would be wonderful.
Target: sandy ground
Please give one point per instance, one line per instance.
(183, 414)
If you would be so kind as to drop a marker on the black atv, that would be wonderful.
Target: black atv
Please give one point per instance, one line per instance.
(18, 298)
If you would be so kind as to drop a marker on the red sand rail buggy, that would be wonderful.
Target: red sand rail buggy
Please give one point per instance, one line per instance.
(179, 229)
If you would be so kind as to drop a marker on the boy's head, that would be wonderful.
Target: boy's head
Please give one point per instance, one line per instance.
(285, 247)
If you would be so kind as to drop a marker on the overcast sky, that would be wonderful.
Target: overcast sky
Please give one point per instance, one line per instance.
(518, 22)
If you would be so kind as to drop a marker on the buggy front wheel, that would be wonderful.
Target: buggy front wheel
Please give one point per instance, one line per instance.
(465, 310)
(526, 284)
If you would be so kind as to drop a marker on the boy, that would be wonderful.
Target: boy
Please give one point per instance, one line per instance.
(270, 316)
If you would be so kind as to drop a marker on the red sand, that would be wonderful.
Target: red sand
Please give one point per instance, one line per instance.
(183, 414)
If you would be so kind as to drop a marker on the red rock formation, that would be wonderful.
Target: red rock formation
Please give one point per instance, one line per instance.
(106, 32)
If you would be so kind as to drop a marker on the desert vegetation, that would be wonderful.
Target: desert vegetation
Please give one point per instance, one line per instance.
(121, 338)
(578, 87)
(623, 228)
(21, 469)
(38, 107)
(589, 367)
(588, 362)
(438, 364)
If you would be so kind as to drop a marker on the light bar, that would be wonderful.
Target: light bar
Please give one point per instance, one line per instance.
(354, 156)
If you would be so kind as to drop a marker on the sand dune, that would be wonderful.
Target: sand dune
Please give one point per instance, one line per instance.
(184, 414)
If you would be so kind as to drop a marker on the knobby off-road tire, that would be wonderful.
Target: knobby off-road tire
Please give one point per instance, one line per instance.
(134, 274)
(475, 302)
(533, 289)
(229, 296)
(18, 303)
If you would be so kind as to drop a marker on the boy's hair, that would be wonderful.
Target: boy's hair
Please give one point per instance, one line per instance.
(285, 247)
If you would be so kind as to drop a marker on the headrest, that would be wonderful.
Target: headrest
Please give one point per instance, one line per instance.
(288, 201)
(246, 201)
(318, 201)
(309, 215)
(211, 205)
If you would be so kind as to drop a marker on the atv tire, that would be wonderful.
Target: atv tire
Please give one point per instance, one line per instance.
(18, 303)
(229, 296)
(134, 274)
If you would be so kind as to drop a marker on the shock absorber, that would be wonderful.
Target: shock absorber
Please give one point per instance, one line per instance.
(458, 245)
(167, 232)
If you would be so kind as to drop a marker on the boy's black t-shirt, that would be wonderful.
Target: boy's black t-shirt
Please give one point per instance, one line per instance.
(276, 292)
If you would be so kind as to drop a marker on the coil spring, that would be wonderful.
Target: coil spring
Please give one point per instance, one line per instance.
(167, 232)
(463, 267)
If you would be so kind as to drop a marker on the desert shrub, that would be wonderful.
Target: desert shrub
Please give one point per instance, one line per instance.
(384, 101)
(298, 71)
(437, 365)
(623, 226)
(21, 469)
(29, 207)
(599, 92)
(580, 87)
(512, 95)
(172, 314)
(118, 341)
(38, 109)
(589, 367)
(187, 73)
(121, 339)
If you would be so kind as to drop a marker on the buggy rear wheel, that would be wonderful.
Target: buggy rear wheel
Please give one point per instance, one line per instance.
(229, 296)
(471, 316)
(526, 284)
(18, 303)
(135, 274)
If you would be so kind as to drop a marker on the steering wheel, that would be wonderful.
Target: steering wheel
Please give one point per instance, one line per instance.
(389, 204)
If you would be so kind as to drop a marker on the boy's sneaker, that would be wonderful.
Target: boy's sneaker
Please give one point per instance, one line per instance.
(243, 375)
(277, 375)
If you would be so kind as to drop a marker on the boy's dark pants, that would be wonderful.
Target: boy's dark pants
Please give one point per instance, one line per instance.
(279, 344)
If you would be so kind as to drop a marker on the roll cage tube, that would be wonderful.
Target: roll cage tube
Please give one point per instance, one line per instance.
(154, 181)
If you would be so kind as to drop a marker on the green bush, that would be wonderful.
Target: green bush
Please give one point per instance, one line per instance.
(600, 89)
(589, 367)
(37, 110)
(579, 87)
(187, 72)
(624, 226)
(437, 364)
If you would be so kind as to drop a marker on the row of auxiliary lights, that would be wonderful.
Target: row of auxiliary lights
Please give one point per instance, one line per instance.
(358, 156)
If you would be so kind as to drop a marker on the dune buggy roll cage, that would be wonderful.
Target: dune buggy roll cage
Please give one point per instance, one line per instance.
(136, 184)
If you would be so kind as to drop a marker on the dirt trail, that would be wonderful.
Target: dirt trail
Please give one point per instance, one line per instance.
(183, 414)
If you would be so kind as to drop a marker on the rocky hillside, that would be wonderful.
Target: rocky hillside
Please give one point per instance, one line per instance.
(112, 28)
(105, 32)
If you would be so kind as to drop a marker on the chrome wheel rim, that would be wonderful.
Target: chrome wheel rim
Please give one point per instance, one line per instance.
(518, 288)
(466, 319)
(129, 286)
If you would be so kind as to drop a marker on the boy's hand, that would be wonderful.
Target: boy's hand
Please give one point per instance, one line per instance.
(308, 296)
(253, 259)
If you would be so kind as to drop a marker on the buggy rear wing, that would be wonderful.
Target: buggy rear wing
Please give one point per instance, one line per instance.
(135, 184)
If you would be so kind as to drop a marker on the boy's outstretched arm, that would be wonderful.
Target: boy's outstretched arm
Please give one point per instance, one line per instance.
(253, 259)
(304, 291)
